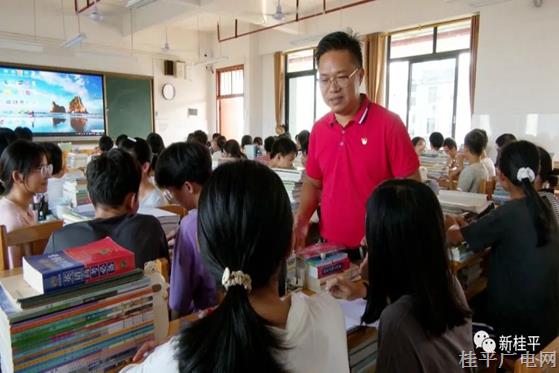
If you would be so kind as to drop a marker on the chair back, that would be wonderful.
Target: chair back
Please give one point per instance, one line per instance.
(34, 237)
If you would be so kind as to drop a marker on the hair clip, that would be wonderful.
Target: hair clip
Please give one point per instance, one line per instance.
(236, 278)
(525, 173)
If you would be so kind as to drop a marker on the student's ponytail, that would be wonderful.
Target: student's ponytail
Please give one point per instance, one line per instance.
(233, 338)
(520, 164)
(244, 232)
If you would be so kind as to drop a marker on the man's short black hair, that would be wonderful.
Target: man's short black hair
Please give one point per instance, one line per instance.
(111, 176)
(182, 162)
(485, 138)
(474, 140)
(268, 143)
(120, 139)
(338, 41)
(23, 133)
(198, 136)
(283, 146)
(505, 139)
(450, 143)
(436, 140)
(105, 143)
(54, 156)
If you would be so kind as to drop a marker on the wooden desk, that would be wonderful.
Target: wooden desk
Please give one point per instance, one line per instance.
(479, 284)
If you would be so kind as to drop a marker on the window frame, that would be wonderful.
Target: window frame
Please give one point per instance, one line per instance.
(433, 56)
(299, 74)
(219, 96)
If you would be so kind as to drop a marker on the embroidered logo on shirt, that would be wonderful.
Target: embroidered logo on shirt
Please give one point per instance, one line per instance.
(364, 140)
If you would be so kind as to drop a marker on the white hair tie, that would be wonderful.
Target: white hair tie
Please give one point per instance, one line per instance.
(525, 173)
(236, 278)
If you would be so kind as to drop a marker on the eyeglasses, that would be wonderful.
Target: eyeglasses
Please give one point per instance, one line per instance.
(342, 81)
(45, 170)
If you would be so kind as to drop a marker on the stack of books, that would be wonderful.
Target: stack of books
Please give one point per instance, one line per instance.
(453, 202)
(75, 191)
(76, 160)
(83, 320)
(322, 262)
(169, 221)
(435, 163)
(291, 179)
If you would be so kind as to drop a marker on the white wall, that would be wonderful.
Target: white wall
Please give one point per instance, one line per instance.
(517, 74)
(109, 49)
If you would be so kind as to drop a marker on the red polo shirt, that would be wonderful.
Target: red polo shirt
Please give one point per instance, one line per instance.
(373, 147)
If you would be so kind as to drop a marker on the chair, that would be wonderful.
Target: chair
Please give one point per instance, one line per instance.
(488, 187)
(35, 236)
(175, 209)
(162, 266)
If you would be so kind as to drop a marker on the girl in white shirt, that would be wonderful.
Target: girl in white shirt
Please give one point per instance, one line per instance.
(149, 195)
(244, 232)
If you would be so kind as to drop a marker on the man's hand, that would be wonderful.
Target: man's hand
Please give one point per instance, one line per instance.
(342, 288)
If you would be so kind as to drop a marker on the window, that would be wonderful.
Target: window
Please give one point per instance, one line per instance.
(303, 101)
(428, 82)
(230, 101)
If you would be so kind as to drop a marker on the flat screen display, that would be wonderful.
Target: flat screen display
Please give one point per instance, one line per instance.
(52, 103)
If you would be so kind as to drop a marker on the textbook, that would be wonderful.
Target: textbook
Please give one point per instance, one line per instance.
(96, 261)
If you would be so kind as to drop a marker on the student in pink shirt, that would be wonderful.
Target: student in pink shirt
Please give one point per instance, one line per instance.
(24, 171)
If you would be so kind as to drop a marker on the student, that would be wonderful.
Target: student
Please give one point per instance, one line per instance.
(183, 169)
(268, 143)
(546, 182)
(501, 141)
(232, 150)
(302, 138)
(258, 143)
(484, 159)
(113, 180)
(23, 133)
(105, 144)
(283, 153)
(425, 322)
(55, 158)
(436, 140)
(455, 162)
(156, 144)
(418, 145)
(7, 136)
(218, 144)
(24, 172)
(523, 283)
(198, 136)
(246, 140)
(253, 329)
(472, 176)
(148, 195)
(120, 139)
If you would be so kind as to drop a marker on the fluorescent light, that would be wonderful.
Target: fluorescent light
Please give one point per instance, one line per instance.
(78, 39)
(138, 3)
(19, 45)
(210, 61)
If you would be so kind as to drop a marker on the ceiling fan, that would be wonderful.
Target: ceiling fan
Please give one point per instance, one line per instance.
(96, 14)
(279, 15)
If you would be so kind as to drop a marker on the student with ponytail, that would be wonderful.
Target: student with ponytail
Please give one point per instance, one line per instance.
(523, 285)
(24, 171)
(244, 232)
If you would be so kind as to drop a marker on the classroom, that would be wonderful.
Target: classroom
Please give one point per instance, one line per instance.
(279, 185)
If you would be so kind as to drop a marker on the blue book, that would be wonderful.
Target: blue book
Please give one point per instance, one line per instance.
(52, 271)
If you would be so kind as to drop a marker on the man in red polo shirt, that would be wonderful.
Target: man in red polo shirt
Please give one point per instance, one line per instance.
(352, 149)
